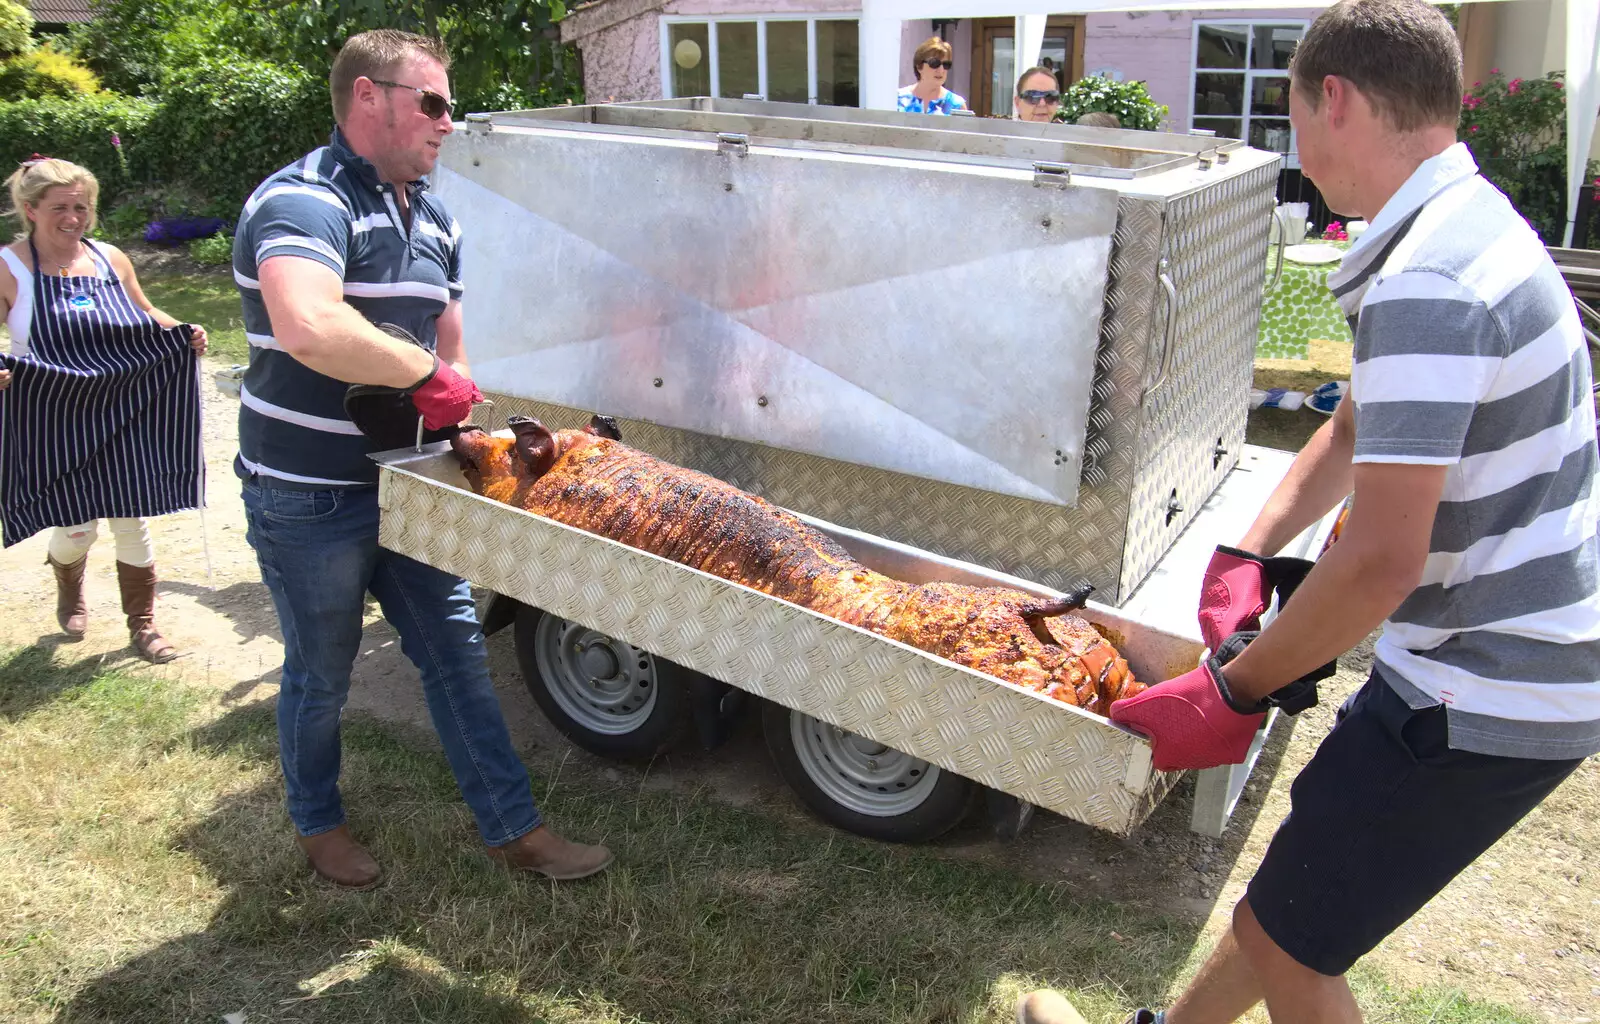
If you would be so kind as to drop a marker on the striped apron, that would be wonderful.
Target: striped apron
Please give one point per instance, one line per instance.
(102, 418)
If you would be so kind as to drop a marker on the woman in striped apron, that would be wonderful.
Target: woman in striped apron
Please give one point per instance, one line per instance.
(67, 299)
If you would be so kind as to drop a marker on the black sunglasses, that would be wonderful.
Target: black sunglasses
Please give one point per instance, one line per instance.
(936, 64)
(433, 105)
(1040, 96)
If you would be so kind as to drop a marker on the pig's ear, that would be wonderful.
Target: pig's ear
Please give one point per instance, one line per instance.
(535, 445)
(603, 426)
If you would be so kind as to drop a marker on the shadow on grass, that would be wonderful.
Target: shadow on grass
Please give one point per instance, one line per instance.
(710, 914)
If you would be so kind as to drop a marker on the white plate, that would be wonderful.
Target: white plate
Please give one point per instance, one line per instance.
(1313, 254)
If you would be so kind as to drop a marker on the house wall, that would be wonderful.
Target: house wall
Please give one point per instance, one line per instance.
(623, 61)
(1157, 47)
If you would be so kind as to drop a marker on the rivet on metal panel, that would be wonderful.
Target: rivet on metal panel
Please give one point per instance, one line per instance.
(727, 186)
(733, 143)
(1045, 222)
(762, 401)
(658, 382)
(1049, 173)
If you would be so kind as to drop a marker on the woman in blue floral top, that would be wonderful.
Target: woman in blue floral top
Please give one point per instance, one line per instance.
(931, 64)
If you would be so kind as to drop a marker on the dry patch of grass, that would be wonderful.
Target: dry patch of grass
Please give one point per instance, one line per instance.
(146, 874)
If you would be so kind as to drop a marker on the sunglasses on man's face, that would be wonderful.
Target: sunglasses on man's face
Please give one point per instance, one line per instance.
(1040, 96)
(433, 105)
(936, 64)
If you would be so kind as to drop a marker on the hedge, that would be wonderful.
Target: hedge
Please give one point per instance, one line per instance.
(225, 123)
(78, 129)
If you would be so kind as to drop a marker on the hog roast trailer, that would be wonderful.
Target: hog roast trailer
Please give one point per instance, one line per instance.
(970, 350)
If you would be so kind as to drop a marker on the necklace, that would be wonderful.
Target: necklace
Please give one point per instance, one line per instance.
(62, 268)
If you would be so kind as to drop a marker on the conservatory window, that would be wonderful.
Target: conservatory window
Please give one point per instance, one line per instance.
(1241, 81)
(788, 59)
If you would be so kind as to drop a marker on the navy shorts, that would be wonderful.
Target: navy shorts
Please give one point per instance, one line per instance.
(1383, 817)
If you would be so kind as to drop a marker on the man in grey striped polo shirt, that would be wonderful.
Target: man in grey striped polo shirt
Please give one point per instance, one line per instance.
(346, 238)
(1469, 444)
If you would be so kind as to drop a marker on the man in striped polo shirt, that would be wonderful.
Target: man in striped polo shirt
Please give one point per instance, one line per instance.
(342, 240)
(1469, 444)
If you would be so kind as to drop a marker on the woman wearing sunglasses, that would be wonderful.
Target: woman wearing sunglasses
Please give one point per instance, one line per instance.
(1038, 95)
(931, 64)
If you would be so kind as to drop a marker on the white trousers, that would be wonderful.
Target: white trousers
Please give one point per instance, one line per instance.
(70, 543)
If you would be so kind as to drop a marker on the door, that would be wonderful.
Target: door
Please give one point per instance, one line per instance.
(994, 59)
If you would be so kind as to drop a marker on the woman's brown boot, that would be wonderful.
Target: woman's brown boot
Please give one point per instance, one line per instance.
(71, 610)
(138, 585)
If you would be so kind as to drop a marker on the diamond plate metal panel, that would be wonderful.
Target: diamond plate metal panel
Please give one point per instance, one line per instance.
(1051, 545)
(1054, 756)
(1193, 427)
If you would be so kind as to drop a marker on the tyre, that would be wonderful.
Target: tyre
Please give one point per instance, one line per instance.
(862, 786)
(607, 696)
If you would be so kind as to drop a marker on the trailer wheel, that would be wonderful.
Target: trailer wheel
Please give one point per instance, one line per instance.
(607, 696)
(862, 786)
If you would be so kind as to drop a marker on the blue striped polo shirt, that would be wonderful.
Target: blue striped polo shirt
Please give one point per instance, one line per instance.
(332, 207)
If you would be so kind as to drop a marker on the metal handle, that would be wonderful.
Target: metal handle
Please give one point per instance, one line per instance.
(1169, 343)
(733, 143)
(1283, 237)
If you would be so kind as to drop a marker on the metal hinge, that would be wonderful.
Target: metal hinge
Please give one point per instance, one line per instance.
(480, 122)
(1053, 175)
(733, 143)
(1207, 158)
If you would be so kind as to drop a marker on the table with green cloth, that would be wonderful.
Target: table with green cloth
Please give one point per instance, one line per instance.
(1299, 309)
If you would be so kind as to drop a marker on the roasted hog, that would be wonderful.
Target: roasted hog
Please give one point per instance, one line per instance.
(590, 480)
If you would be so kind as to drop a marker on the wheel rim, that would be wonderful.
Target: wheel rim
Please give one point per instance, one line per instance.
(603, 684)
(857, 773)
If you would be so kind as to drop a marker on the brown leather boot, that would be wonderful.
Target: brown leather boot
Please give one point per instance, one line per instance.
(138, 585)
(547, 853)
(71, 610)
(336, 856)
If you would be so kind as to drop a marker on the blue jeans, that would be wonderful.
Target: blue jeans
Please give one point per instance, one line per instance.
(319, 556)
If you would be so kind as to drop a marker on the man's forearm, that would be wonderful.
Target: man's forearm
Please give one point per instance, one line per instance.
(1317, 481)
(344, 345)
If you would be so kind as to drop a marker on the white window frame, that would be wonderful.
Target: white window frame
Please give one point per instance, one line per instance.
(1291, 159)
(762, 21)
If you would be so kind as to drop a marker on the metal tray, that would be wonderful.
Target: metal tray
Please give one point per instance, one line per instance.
(1054, 756)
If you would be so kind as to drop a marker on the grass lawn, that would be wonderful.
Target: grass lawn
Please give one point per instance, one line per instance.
(146, 874)
(208, 298)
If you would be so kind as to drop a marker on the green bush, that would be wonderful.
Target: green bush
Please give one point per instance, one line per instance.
(213, 251)
(1517, 131)
(225, 123)
(16, 29)
(103, 132)
(1129, 101)
(45, 72)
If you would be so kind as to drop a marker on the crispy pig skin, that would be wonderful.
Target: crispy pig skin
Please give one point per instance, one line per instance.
(605, 487)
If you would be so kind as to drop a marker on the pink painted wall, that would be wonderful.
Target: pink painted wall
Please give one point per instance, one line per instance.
(1157, 47)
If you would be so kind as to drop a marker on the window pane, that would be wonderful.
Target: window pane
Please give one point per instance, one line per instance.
(1273, 45)
(1218, 94)
(1003, 79)
(1269, 97)
(1271, 133)
(689, 48)
(737, 71)
(1225, 127)
(1052, 55)
(838, 64)
(786, 61)
(1221, 46)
